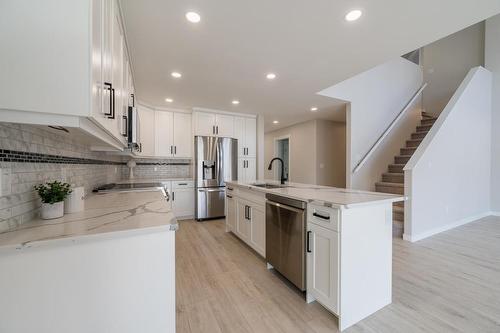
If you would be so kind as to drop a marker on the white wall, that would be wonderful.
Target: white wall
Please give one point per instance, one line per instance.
(317, 152)
(447, 61)
(376, 97)
(447, 180)
(492, 63)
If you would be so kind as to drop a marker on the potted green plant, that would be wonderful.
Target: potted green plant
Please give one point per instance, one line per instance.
(52, 195)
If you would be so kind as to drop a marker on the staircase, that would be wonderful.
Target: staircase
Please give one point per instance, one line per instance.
(393, 180)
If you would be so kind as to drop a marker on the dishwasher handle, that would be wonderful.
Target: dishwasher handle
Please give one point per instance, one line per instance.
(280, 205)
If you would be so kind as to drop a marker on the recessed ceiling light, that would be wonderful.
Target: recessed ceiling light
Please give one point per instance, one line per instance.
(271, 76)
(169, 100)
(275, 122)
(314, 109)
(353, 15)
(193, 17)
(235, 102)
(176, 75)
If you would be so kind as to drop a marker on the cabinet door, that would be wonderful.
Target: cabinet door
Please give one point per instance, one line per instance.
(163, 132)
(183, 136)
(258, 230)
(183, 202)
(147, 134)
(225, 125)
(250, 170)
(239, 134)
(251, 137)
(243, 223)
(204, 123)
(241, 169)
(231, 213)
(323, 266)
(97, 54)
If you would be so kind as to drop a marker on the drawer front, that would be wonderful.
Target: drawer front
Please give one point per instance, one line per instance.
(182, 184)
(323, 216)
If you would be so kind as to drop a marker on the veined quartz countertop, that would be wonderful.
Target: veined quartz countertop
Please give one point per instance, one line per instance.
(108, 213)
(151, 180)
(323, 195)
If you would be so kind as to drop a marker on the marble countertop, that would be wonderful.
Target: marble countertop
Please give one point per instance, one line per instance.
(109, 213)
(151, 180)
(323, 195)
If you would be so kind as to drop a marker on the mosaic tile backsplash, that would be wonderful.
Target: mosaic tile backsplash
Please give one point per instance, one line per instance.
(30, 155)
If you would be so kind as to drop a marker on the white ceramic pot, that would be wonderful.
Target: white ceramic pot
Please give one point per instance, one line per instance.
(52, 211)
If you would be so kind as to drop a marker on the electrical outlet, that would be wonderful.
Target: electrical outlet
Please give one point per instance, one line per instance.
(156, 168)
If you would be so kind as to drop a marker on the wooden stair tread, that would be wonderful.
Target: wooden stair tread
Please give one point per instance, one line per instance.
(388, 184)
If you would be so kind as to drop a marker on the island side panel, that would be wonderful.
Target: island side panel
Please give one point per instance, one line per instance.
(366, 262)
(119, 285)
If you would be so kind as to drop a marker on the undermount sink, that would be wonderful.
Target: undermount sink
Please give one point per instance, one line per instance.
(269, 185)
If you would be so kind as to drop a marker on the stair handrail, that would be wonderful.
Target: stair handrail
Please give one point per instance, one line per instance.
(389, 128)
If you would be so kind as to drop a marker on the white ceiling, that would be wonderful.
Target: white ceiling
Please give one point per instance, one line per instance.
(308, 44)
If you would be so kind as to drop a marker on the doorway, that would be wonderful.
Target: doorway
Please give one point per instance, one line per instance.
(282, 150)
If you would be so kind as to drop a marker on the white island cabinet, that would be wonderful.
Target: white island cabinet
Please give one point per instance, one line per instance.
(109, 268)
(348, 243)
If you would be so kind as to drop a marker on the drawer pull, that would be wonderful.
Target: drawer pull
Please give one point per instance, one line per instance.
(230, 197)
(321, 216)
(182, 184)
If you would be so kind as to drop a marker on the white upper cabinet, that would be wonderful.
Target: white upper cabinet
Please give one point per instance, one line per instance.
(183, 135)
(173, 135)
(70, 68)
(245, 130)
(204, 123)
(213, 124)
(224, 125)
(146, 133)
(163, 132)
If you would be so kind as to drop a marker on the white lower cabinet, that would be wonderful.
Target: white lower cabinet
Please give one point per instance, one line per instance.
(243, 222)
(246, 218)
(230, 212)
(182, 198)
(323, 266)
(258, 229)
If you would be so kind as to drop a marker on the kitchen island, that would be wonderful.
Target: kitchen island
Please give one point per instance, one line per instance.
(110, 268)
(347, 241)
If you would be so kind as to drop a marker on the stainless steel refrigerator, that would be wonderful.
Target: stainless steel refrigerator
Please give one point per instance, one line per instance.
(216, 161)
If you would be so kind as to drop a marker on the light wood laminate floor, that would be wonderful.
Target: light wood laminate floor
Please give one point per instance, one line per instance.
(446, 283)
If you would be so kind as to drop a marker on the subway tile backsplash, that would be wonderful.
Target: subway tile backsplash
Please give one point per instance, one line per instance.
(30, 155)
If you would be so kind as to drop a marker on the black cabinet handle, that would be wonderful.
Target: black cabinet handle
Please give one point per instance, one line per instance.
(321, 216)
(217, 129)
(213, 129)
(182, 184)
(113, 107)
(133, 99)
(175, 150)
(171, 150)
(308, 241)
(125, 126)
(230, 188)
(110, 87)
(173, 196)
(140, 147)
(229, 196)
(249, 213)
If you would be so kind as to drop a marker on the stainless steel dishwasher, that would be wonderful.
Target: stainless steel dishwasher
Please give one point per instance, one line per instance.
(285, 237)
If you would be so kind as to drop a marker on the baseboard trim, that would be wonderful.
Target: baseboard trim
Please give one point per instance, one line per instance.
(432, 232)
